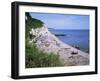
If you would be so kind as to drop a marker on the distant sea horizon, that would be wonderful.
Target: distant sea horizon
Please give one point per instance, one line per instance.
(64, 29)
(73, 37)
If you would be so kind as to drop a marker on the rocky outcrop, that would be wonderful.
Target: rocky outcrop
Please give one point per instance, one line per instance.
(48, 42)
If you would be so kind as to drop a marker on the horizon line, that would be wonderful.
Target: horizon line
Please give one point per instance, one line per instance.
(66, 29)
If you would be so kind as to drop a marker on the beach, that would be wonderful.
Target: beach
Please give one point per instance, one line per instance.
(50, 43)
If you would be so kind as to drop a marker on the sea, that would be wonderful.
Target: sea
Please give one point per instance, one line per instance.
(75, 38)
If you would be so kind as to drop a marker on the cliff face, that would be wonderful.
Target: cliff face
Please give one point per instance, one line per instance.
(48, 42)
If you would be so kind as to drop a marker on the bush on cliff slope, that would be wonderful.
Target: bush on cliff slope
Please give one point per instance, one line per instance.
(31, 23)
(38, 58)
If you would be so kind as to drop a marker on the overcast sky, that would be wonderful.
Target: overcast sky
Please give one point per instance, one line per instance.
(63, 21)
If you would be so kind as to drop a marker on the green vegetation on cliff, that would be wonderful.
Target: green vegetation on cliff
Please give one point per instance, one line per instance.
(34, 57)
(31, 23)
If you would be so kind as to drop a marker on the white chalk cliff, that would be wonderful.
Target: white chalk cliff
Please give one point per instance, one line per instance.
(48, 42)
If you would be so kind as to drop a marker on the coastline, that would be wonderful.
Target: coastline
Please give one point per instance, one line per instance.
(50, 43)
(75, 38)
(80, 57)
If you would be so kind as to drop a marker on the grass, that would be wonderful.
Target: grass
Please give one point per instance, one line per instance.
(37, 58)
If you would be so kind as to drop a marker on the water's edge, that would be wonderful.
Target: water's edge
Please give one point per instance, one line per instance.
(75, 38)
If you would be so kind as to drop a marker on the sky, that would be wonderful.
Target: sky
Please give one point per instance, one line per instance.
(63, 21)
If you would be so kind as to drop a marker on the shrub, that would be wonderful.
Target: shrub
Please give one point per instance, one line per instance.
(38, 58)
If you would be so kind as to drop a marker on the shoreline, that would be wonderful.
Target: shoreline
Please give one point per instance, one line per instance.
(50, 43)
(68, 37)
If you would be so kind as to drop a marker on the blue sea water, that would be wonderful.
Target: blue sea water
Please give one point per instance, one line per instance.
(78, 38)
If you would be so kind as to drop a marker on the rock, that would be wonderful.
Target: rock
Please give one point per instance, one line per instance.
(74, 52)
(77, 60)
